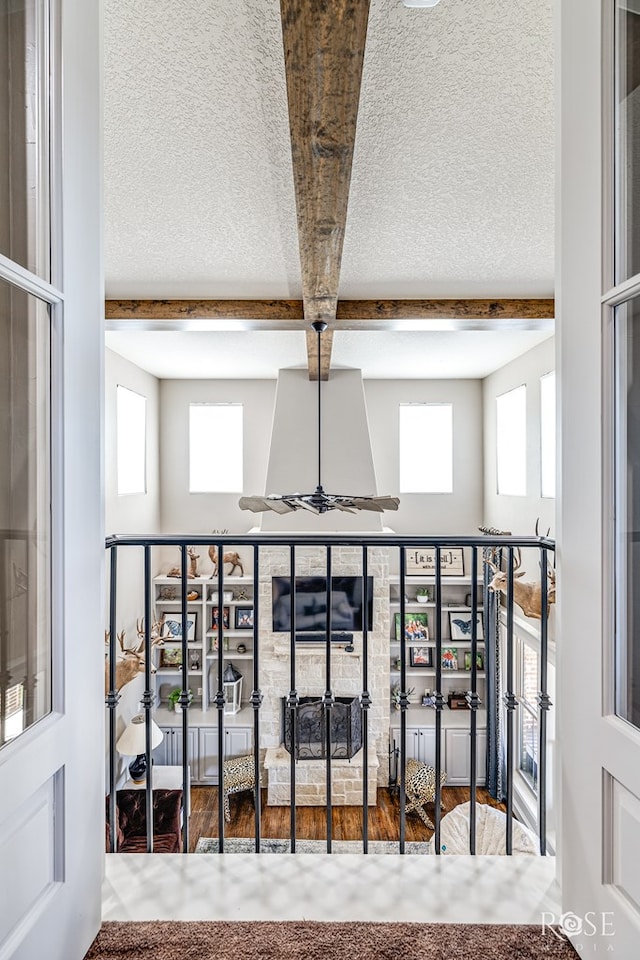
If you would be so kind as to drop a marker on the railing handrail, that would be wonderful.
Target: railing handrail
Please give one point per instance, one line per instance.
(335, 539)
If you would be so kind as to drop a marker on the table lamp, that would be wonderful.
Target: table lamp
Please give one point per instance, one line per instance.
(133, 743)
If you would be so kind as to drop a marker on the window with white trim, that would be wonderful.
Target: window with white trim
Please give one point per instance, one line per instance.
(131, 441)
(426, 448)
(527, 716)
(215, 448)
(511, 442)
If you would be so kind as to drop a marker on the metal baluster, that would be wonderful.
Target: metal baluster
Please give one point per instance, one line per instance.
(256, 693)
(112, 698)
(328, 702)
(404, 705)
(544, 702)
(147, 698)
(220, 699)
(365, 701)
(293, 701)
(510, 703)
(439, 699)
(184, 701)
(473, 700)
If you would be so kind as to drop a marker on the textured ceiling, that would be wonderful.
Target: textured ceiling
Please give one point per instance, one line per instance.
(396, 356)
(452, 188)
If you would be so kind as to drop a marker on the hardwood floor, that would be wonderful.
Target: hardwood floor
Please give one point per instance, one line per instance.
(384, 819)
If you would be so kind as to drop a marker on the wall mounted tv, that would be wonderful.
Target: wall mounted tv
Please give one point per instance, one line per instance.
(347, 606)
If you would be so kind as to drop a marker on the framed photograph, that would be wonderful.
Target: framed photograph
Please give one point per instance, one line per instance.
(479, 661)
(460, 624)
(421, 656)
(172, 623)
(215, 617)
(415, 627)
(244, 618)
(421, 560)
(450, 658)
(170, 657)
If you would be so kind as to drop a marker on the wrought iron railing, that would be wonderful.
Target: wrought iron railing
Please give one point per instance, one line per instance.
(474, 545)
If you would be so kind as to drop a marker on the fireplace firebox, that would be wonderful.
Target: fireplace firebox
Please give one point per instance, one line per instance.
(311, 739)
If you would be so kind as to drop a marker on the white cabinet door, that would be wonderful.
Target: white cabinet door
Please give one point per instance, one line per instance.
(238, 741)
(427, 745)
(413, 742)
(208, 755)
(458, 756)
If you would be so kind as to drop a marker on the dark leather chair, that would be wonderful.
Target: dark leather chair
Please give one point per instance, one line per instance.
(131, 821)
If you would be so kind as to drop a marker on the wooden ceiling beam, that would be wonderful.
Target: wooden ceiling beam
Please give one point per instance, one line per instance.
(324, 43)
(364, 315)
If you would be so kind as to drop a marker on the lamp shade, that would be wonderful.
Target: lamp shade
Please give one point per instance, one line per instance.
(133, 740)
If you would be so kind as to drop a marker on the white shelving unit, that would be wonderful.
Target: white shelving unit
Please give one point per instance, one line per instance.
(202, 747)
(421, 720)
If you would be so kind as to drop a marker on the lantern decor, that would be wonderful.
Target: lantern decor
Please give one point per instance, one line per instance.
(232, 687)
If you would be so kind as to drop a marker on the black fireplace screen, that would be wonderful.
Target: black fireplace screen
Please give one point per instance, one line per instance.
(346, 728)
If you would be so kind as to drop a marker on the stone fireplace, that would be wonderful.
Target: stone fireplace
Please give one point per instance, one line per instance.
(346, 681)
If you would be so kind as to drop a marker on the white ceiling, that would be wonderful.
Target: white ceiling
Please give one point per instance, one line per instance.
(401, 356)
(452, 189)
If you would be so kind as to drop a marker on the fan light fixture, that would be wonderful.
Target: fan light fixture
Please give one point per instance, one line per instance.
(318, 502)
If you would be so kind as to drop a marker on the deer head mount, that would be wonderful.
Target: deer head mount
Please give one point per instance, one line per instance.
(131, 661)
(528, 596)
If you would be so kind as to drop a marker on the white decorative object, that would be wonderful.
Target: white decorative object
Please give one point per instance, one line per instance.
(232, 696)
(490, 833)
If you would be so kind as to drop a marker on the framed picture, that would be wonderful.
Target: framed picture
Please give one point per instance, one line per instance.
(421, 656)
(421, 560)
(172, 623)
(479, 661)
(225, 618)
(171, 657)
(450, 658)
(460, 624)
(415, 627)
(244, 618)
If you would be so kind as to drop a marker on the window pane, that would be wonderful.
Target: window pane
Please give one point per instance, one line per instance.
(131, 431)
(215, 448)
(528, 713)
(627, 56)
(426, 448)
(627, 510)
(24, 135)
(548, 435)
(511, 442)
(25, 495)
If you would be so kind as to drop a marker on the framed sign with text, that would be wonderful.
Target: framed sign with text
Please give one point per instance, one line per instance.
(422, 560)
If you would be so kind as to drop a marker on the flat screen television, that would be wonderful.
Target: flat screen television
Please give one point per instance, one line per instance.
(347, 606)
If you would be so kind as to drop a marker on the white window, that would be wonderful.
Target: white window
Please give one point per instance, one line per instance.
(131, 430)
(548, 435)
(426, 448)
(215, 448)
(511, 442)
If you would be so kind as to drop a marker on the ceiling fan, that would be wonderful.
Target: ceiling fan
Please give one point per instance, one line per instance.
(318, 502)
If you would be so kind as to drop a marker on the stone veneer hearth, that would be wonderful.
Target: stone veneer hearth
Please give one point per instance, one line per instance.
(346, 671)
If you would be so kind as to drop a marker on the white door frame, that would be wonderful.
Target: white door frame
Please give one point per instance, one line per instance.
(52, 776)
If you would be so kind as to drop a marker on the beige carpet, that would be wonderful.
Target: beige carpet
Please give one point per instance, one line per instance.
(325, 941)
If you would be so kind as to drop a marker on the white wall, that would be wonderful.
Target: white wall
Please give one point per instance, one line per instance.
(184, 512)
(459, 512)
(518, 514)
(133, 513)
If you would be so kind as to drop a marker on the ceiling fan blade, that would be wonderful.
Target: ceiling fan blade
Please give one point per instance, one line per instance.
(388, 503)
(255, 504)
(367, 503)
